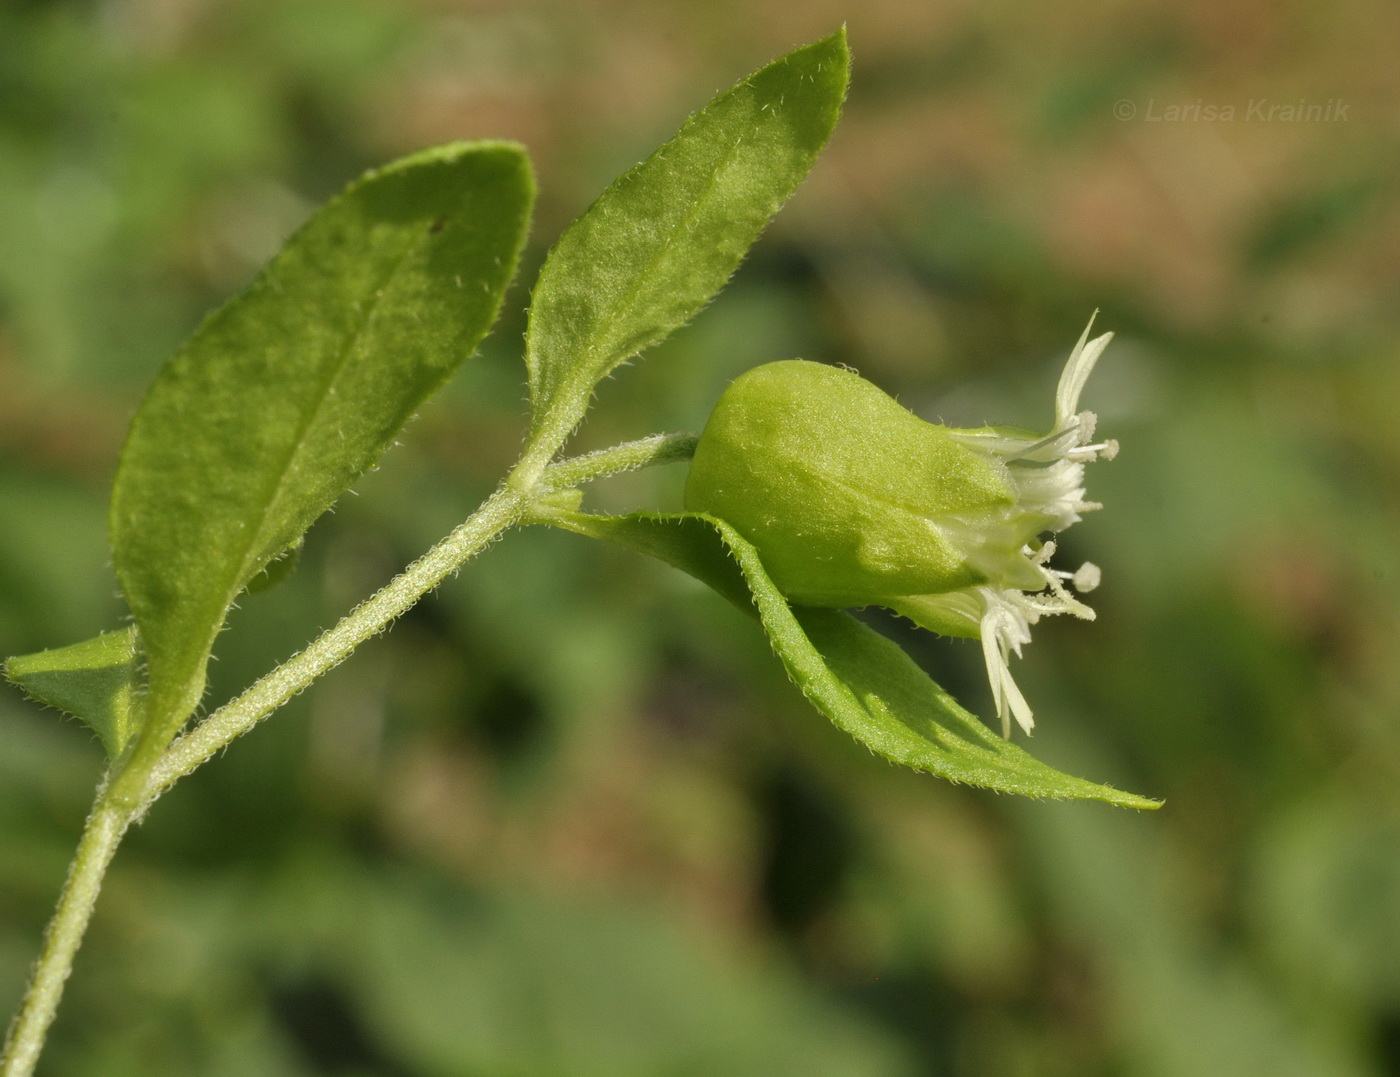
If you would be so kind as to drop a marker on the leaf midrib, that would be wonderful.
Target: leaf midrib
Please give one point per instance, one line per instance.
(591, 353)
(256, 533)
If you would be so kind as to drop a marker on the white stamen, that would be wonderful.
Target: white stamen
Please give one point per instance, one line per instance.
(1005, 625)
(1047, 475)
(1087, 577)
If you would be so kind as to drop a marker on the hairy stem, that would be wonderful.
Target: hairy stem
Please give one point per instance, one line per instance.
(645, 452)
(113, 813)
(101, 835)
(504, 508)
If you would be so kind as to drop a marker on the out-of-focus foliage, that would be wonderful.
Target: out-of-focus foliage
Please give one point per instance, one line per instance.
(569, 816)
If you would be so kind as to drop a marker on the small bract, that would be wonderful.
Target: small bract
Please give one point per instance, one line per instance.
(852, 500)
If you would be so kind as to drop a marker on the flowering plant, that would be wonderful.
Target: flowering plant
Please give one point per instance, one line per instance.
(810, 489)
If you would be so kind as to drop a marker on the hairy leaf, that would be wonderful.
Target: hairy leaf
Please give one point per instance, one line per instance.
(94, 681)
(859, 679)
(663, 239)
(291, 391)
(276, 570)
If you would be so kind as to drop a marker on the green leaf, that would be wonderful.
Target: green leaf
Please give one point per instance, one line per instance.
(95, 681)
(663, 239)
(293, 390)
(859, 679)
(275, 571)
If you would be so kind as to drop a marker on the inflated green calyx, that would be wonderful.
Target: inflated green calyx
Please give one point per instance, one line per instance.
(848, 495)
(852, 500)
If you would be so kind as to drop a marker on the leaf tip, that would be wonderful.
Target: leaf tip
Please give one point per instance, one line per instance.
(1139, 803)
(510, 157)
(834, 47)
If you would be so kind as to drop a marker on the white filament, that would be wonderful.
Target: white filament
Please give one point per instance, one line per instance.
(1047, 474)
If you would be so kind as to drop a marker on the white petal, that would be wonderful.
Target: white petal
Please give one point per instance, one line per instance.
(1005, 629)
(1076, 374)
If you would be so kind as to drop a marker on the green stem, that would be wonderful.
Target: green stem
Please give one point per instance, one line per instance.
(645, 452)
(115, 808)
(101, 835)
(503, 509)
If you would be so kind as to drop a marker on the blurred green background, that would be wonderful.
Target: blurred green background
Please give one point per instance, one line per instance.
(569, 817)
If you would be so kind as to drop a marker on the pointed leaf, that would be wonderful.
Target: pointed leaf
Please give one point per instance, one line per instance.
(663, 239)
(94, 681)
(859, 679)
(275, 571)
(291, 391)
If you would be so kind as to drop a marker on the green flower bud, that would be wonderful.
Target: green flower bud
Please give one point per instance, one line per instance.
(852, 500)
